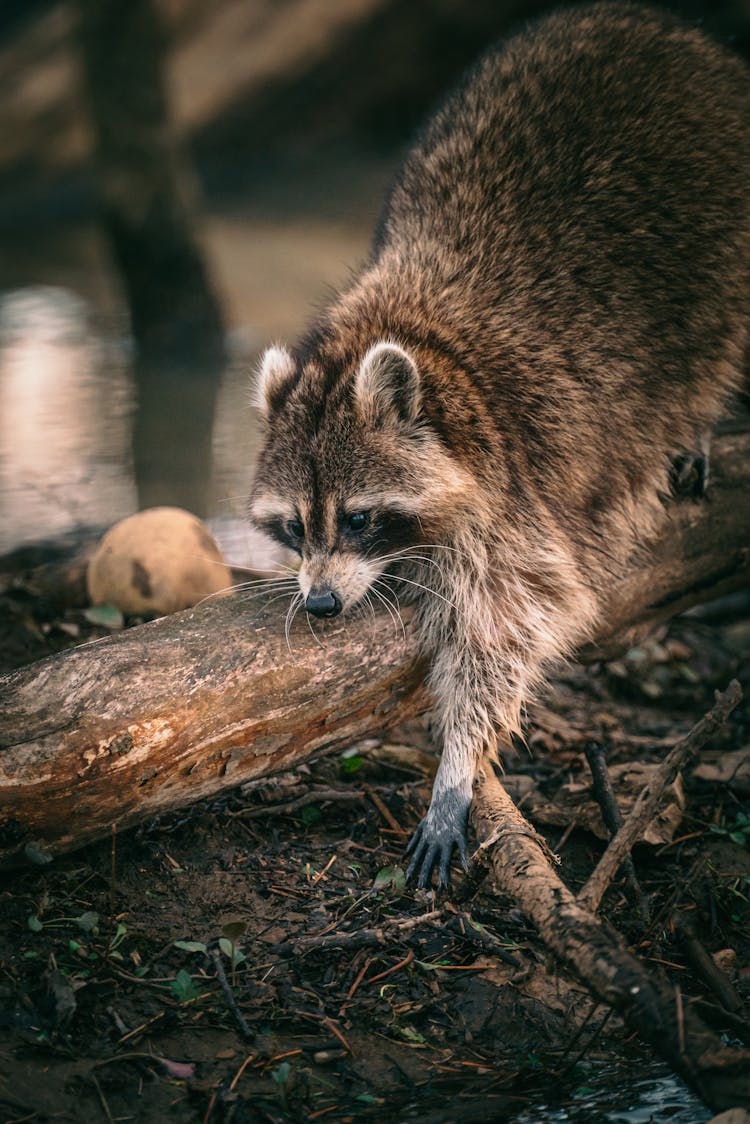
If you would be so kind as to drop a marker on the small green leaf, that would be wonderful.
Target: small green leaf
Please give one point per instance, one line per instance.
(34, 923)
(182, 987)
(232, 953)
(106, 616)
(119, 936)
(390, 877)
(351, 764)
(281, 1075)
(88, 921)
(191, 946)
(310, 814)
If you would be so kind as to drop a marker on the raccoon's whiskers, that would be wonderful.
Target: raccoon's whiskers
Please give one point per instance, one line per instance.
(272, 583)
(280, 568)
(428, 546)
(294, 607)
(268, 582)
(366, 603)
(359, 611)
(407, 556)
(256, 593)
(393, 611)
(419, 585)
(278, 597)
(312, 631)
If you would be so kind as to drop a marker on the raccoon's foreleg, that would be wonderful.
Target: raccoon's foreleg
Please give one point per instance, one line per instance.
(442, 829)
(462, 695)
(489, 657)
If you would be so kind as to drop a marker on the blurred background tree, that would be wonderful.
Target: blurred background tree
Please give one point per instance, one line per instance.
(149, 210)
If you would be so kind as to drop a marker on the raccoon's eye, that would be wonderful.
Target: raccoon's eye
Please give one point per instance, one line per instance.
(358, 520)
(296, 528)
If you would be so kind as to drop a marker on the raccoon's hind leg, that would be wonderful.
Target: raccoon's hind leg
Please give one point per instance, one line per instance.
(689, 471)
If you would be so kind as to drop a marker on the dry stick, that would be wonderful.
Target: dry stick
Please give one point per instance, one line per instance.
(463, 925)
(648, 801)
(365, 938)
(314, 796)
(612, 816)
(229, 996)
(522, 868)
(705, 966)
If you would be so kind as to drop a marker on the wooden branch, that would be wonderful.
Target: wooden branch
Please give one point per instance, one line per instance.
(114, 732)
(120, 730)
(648, 1003)
(648, 801)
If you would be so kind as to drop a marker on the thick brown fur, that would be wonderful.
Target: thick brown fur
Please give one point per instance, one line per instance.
(557, 302)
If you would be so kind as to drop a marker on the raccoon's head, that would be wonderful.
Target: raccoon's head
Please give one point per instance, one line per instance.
(351, 476)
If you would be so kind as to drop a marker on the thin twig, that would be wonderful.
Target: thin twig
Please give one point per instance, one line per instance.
(229, 995)
(394, 968)
(102, 1100)
(314, 796)
(706, 967)
(648, 801)
(365, 938)
(464, 926)
(612, 817)
(385, 811)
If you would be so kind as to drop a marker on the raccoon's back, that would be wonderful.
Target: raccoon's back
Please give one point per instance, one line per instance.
(603, 154)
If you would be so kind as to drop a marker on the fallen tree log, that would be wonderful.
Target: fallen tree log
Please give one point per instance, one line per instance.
(117, 731)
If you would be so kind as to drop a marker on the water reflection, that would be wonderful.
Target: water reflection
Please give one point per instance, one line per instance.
(613, 1095)
(67, 409)
(65, 405)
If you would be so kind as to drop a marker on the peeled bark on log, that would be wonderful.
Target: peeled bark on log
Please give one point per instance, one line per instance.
(117, 731)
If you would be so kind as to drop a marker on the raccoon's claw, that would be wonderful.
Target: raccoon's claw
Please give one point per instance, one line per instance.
(442, 829)
(688, 475)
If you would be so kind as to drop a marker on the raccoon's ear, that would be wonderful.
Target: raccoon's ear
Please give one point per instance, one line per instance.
(275, 371)
(386, 388)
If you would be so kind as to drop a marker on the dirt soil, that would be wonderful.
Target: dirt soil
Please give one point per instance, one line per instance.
(259, 958)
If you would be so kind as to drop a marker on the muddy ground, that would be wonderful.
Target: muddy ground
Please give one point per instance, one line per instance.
(181, 971)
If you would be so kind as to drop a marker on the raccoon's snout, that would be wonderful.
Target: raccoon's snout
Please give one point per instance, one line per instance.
(323, 603)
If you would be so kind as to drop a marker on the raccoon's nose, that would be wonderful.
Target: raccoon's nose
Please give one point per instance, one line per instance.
(323, 603)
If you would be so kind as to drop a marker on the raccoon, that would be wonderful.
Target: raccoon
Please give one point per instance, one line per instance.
(554, 309)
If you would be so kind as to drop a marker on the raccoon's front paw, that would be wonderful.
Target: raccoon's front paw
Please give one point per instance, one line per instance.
(442, 829)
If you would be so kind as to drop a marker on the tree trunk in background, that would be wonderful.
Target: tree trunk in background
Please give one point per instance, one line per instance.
(147, 200)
